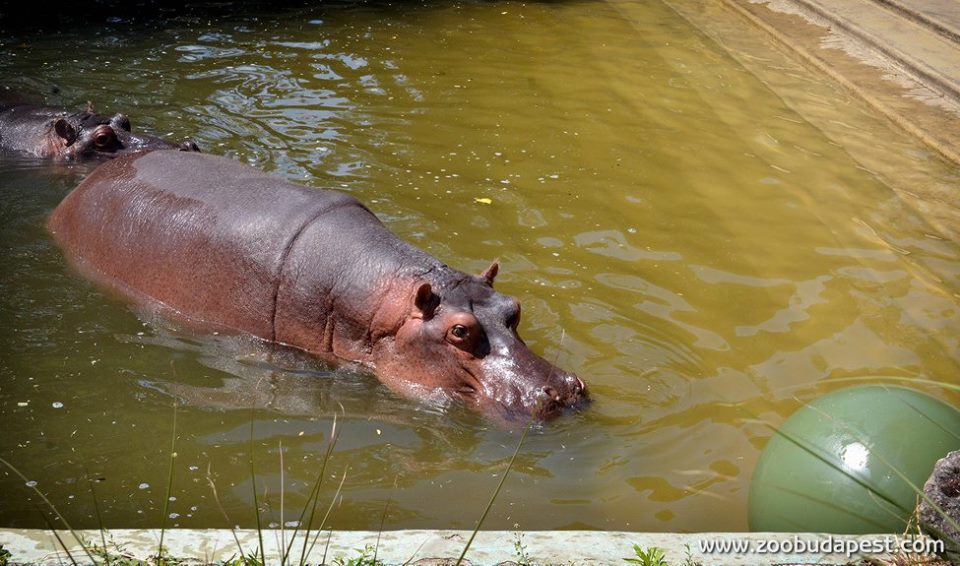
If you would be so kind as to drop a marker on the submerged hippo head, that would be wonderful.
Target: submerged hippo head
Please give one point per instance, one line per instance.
(461, 341)
(88, 135)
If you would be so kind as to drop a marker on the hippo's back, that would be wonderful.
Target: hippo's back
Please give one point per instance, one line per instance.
(205, 235)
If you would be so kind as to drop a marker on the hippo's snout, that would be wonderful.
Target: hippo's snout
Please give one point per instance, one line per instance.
(572, 392)
(565, 390)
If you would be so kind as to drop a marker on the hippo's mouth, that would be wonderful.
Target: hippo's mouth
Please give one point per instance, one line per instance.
(549, 407)
(545, 411)
(542, 405)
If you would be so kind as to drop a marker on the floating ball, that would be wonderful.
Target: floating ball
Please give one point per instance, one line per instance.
(845, 462)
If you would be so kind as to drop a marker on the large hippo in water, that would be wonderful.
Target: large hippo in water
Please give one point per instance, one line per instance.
(223, 244)
(61, 135)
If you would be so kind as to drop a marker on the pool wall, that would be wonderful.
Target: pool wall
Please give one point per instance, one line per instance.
(900, 56)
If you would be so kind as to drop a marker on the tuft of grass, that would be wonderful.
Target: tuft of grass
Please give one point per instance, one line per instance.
(119, 556)
(917, 560)
(653, 556)
(519, 548)
(241, 561)
(303, 525)
(113, 554)
(314, 497)
(367, 557)
(688, 558)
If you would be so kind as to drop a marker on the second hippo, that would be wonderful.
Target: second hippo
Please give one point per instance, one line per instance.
(220, 243)
(60, 135)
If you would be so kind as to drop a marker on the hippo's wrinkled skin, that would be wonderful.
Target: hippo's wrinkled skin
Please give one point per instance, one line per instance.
(222, 243)
(60, 135)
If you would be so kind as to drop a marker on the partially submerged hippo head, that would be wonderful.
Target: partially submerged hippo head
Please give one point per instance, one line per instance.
(88, 135)
(461, 341)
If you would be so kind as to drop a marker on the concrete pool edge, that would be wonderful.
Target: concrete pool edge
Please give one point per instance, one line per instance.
(917, 173)
(37, 546)
(906, 88)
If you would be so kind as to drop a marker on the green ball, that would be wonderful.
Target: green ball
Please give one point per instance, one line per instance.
(841, 464)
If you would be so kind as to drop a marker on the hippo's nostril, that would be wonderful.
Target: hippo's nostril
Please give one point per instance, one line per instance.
(551, 393)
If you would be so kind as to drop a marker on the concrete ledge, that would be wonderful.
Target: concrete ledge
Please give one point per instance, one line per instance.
(36, 546)
(908, 88)
(923, 50)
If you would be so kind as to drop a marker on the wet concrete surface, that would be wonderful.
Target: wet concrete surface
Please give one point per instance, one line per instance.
(901, 56)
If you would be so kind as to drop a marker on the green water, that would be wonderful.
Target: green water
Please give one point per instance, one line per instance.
(705, 246)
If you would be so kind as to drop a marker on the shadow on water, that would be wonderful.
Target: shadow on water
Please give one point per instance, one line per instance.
(18, 21)
(249, 373)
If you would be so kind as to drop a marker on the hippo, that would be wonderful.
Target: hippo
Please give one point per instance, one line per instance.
(220, 244)
(57, 134)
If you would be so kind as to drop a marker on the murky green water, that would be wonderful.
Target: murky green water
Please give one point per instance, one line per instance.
(701, 253)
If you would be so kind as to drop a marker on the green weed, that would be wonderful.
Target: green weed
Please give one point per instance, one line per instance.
(653, 556)
(367, 558)
(519, 548)
(688, 558)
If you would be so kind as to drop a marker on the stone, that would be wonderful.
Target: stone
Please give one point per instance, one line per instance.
(943, 490)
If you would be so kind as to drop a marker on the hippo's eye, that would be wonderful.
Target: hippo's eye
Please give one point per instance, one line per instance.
(464, 332)
(102, 140)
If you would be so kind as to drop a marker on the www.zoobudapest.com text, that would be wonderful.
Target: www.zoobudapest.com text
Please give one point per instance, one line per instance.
(827, 545)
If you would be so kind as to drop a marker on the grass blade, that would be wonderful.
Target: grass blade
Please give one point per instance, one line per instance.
(60, 540)
(96, 509)
(496, 492)
(327, 514)
(383, 518)
(216, 497)
(166, 497)
(52, 508)
(326, 547)
(253, 483)
(315, 495)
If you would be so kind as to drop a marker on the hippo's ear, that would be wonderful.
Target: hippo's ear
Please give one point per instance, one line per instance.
(120, 121)
(491, 273)
(65, 130)
(426, 301)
